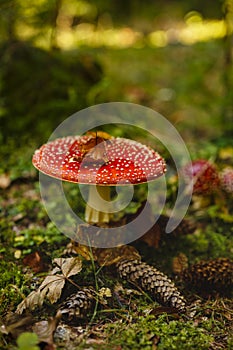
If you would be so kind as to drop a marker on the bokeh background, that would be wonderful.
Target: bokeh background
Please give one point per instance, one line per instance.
(58, 57)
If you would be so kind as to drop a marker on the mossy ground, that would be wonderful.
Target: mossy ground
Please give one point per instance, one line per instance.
(132, 321)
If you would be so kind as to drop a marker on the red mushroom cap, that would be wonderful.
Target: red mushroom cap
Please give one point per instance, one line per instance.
(124, 161)
(226, 180)
(204, 174)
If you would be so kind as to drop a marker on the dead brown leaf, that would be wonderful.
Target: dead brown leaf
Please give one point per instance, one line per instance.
(33, 300)
(45, 331)
(52, 285)
(106, 256)
(69, 266)
(83, 250)
(110, 256)
(35, 262)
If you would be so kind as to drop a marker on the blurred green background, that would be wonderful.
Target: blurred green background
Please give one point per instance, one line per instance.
(58, 57)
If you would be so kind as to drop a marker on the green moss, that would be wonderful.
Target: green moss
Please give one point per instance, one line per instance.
(145, 331)
(12, 285)
(210, 243)
(230, 343)
(29, 239)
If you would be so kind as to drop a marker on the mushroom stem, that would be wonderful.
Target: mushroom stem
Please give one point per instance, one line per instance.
(97, 208)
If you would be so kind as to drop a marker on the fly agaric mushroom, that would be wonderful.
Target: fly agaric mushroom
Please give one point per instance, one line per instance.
(204, 174)
(101, 161)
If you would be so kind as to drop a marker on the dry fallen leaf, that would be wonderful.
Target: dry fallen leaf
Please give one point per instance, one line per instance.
(86, 230)
(83, 250)
(35, 262)
(33, 300)
(69, 266)
(106, 256)
(110, 256)
(52, 285)
(45, 331)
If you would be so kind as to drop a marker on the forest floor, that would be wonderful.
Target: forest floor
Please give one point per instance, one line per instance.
(185, 85)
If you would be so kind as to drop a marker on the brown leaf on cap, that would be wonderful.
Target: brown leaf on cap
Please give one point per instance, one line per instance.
(89, 147)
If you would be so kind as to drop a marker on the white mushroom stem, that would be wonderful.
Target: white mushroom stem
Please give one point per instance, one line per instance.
(98, 205)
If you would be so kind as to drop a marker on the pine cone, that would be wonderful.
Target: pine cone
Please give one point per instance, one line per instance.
(216, 274)
(185, 226)
(158, 285)
(77, 305)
